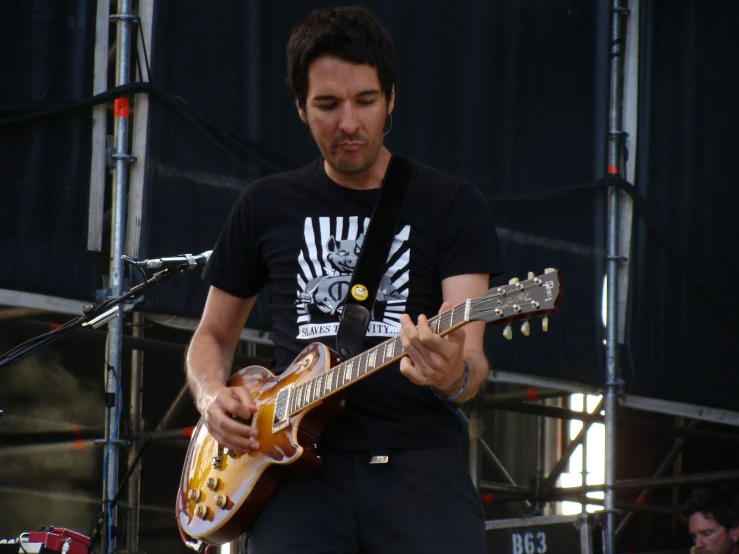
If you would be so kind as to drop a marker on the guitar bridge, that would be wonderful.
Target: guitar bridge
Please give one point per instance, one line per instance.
(281, 417)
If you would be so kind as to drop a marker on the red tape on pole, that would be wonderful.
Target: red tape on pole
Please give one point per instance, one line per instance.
(120, 107)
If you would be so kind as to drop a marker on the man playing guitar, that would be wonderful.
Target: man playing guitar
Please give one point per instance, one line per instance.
(392, 478)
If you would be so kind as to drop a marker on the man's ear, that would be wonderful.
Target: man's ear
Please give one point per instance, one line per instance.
(301, 112)
(734, 533)
(391, 103)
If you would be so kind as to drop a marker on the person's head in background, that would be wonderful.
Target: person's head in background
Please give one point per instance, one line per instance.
(712, 516)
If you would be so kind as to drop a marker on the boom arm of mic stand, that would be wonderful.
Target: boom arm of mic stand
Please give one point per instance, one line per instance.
(95, 316)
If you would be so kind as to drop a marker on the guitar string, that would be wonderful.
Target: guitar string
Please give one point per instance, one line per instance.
(444, 323)
(444, 320)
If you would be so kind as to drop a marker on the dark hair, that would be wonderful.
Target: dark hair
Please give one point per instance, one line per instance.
(720, 504)
(349, 33)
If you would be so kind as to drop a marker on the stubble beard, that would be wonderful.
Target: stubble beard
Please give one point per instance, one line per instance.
(729, 549)
(348, 166)
(352, 164)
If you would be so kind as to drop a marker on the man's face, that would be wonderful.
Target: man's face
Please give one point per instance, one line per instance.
(711, 537)
(345, 110)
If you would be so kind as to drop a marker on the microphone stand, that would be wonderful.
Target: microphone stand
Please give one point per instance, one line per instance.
(95, 316)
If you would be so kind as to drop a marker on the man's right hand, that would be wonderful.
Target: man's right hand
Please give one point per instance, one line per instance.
(221, 410)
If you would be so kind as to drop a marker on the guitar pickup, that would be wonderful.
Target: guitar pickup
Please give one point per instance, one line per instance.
(281, 417)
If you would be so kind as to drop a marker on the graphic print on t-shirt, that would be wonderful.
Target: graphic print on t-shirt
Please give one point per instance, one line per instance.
(327, 261)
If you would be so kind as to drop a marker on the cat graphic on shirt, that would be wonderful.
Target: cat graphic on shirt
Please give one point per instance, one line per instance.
(325, 294)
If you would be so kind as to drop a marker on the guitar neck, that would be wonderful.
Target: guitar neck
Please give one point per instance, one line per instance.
(346, 373)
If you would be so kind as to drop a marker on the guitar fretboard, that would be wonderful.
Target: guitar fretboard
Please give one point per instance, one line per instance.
(344, 374)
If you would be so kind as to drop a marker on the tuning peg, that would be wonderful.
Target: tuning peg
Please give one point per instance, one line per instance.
(508, 332)
(526, 329)
(513, 281)
(531, 275)
(550, 270)
(545, 324)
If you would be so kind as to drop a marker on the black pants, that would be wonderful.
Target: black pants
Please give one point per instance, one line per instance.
(421, 501)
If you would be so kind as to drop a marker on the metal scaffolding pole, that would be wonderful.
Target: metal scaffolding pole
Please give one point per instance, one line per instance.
(541, 445)
(551, 480)
(137, 426)
(78, 444)
(549, 411)
(654, 482)
(178, 404)
(531, 394)
(67, 497)
(615, 161)
(475, 436)
(122, 160)
(664, 466)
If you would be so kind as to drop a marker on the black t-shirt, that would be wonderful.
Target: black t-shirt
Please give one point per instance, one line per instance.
(301, 232)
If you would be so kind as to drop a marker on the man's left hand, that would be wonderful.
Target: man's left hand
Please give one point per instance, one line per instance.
(432, 360)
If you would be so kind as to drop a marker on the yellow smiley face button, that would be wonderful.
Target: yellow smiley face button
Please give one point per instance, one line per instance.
(359, 292)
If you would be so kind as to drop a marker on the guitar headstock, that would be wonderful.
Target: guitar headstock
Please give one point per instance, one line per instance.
(537, 296)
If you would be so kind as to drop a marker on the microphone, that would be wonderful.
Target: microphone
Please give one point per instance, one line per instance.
(197, 261)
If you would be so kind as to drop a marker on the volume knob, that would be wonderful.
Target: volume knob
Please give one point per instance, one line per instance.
(212, 483)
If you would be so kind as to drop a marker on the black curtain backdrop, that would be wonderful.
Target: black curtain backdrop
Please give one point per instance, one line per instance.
(679, 348)
(503, 93)
(511, 94)
(47, 58)
(508, 94)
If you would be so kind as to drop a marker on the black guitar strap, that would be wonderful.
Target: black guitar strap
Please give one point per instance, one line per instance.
(357, 309)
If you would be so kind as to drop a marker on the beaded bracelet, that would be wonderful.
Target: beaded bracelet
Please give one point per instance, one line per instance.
(460, 391)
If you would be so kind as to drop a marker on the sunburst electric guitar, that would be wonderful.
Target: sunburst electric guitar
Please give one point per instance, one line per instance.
(222, 492)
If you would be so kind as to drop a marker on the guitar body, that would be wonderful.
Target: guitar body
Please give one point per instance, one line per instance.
(245, 483)
(222, 493)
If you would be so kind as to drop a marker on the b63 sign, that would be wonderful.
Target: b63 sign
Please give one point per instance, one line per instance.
(528, 542)
(540, 535)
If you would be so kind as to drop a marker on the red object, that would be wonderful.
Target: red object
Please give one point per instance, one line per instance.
(120, 107)
(531, 394)
(55, 325)
(486, 498)
(187, 432)
(78, 444)
(612, 170)
(641, 500)
(55, 538)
